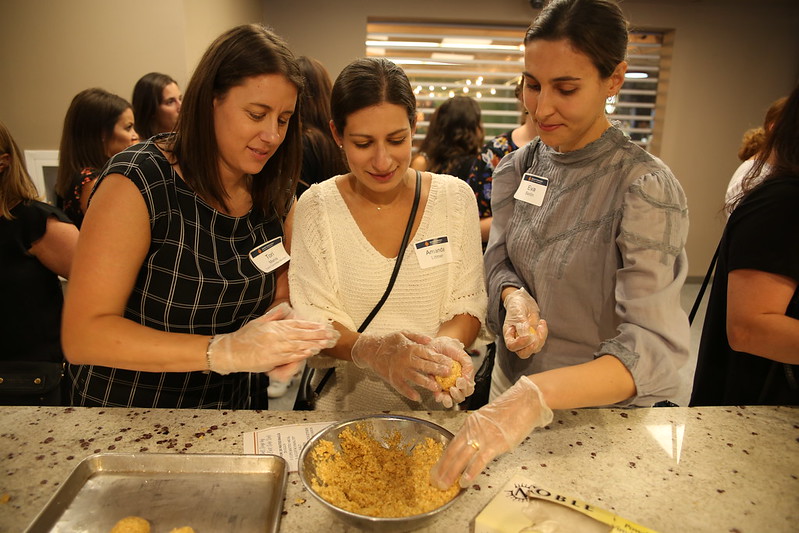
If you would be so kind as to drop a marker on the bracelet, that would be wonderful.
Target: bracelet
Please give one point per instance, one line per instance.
(208, 354)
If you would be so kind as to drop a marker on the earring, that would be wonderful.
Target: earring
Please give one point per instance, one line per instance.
(610, 104)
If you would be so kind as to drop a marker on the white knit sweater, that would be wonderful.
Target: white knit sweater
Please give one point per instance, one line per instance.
(336, 274)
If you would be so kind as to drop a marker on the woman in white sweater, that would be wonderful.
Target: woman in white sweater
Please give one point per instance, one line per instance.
(347, 236)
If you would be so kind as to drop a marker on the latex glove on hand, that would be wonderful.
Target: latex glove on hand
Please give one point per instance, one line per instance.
(269, 341)
(490, 431)
(402, 360)
(464, 383)
(524, 331)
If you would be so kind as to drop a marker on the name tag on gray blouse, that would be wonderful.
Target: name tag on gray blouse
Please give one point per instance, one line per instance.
(532, 189)
(269, 255)
(433, 252)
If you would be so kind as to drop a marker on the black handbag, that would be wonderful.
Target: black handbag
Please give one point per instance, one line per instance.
(30, 383)
(306, 394)
(482, 381)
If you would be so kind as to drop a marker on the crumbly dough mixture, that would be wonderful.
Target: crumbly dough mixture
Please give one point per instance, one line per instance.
(381, 479)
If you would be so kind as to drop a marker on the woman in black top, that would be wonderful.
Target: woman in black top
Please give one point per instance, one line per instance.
(749, 352)
(181, 252)
(98, 124)
(37, 242)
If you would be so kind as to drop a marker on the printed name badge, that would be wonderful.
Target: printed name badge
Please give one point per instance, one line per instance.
(269, 255)
(433, 252)
(532, 189)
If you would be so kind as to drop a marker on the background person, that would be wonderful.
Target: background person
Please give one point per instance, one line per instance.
(156, 104)
(749, 351)
(172, 278)
(453, 138)
(98, 124)
(750, 153)
(37, 242)
(347, 232)
(593, 242)
(321, 156)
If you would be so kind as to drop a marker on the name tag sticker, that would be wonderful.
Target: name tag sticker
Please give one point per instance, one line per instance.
(433, 252)
(532, 189)
(270, 255)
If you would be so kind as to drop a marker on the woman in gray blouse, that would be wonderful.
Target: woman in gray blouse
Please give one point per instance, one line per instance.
(586, 258)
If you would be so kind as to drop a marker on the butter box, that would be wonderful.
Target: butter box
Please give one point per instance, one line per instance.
(523, 506)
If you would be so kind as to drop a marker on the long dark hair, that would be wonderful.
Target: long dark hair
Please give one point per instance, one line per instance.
(148, 94)
(780, 151)
(316, 120)
(90, 120)
(597, 28)
(455, 132)
(370, 81)
(242, 52)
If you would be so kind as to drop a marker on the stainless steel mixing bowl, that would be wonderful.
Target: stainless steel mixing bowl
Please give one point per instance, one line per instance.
(413, 431)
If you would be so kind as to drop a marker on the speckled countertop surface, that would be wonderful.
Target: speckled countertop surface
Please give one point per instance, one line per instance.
(670, 469)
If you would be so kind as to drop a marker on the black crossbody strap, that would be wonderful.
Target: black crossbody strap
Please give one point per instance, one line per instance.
(405, 238)
(705, 282)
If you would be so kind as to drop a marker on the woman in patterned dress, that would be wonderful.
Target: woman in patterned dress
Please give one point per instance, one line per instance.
(179, 289)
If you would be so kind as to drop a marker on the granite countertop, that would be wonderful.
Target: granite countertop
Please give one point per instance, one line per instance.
(676, 469)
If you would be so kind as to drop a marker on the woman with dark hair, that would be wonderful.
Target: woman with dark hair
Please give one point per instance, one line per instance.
(176, 286)
(156, 104)
(97, 125)
(749, 352)
(37, 242)
(348, 235)
(321, 156)
(453, 139)
(588, 233)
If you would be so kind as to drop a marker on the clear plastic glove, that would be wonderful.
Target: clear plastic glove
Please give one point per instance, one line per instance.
(492, 430)
(464, 384)
(402, 360)
(284, 373)
(523, 330)
(269, 341)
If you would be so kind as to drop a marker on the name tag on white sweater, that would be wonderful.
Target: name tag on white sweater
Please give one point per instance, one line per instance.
(433, 252)
(532, 189)
(269, 255)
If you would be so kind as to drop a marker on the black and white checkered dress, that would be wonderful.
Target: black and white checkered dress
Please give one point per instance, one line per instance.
(197, 278)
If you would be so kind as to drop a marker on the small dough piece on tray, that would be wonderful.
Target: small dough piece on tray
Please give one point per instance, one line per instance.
(131, 524)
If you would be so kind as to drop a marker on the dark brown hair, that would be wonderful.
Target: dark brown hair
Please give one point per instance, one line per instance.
(455, 132)
(316, 119)
(148, 93)
(597, 28)
(370, 81)
(90, 120)
(240, 53)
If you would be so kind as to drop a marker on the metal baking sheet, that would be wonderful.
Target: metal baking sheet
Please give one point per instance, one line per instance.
(208, 492)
